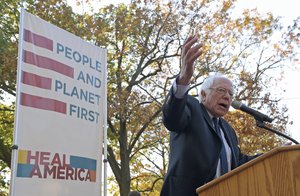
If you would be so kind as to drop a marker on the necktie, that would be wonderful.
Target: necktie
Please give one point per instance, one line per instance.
(223, 157)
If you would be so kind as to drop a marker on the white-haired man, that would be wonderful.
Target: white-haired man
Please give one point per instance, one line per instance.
(203, 146)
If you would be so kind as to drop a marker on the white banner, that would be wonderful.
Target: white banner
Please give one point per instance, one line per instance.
(61, 112)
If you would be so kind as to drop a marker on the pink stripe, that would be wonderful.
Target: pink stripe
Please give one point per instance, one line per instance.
(47, 63)
(38, 40)
(36, 80)
(43, 103)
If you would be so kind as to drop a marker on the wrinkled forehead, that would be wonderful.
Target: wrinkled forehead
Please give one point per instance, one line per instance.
(224, 83)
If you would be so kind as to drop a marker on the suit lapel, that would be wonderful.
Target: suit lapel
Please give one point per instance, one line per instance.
(207, 117)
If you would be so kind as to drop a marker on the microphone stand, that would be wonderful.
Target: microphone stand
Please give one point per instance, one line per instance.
(261, 124)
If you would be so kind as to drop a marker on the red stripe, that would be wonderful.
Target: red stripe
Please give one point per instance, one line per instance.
(43, 103)
(47, 63)
(38, 40)
(36, 80)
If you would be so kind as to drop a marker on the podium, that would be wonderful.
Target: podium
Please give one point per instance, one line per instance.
(275, 173)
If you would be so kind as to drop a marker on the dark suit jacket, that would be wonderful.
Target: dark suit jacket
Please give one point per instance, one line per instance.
(194, 146)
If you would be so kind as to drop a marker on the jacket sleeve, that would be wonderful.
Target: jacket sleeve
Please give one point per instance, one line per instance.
(242, 158)
(239, 157)
(245, 158)
(176, 112)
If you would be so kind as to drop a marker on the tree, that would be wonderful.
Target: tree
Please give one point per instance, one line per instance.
(6, 130)
(143, 41)
(8, 47)
(139, 44)
(229, 43)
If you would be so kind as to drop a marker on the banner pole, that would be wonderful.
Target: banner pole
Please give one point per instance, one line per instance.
(105, 130)
(16, 126)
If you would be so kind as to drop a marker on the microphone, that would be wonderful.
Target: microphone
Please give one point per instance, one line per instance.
(257, 115)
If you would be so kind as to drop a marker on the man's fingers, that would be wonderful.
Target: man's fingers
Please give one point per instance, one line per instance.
(188, 39)
(192, 54)
(188, 44)
(195, 56)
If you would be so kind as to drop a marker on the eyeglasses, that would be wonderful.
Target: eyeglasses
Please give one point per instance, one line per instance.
(223, 91)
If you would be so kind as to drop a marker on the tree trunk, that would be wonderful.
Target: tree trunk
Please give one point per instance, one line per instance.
(124, 153)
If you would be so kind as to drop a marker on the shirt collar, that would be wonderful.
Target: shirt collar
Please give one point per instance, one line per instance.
(211, 116)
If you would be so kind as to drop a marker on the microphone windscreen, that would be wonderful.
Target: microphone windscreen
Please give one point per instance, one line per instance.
(236, 104)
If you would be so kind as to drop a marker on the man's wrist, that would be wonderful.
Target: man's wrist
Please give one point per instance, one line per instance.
(179, 90)
(183, 80)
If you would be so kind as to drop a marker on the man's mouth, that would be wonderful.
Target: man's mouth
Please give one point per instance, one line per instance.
(223, 105)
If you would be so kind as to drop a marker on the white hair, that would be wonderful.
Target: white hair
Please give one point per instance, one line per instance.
(208, 83)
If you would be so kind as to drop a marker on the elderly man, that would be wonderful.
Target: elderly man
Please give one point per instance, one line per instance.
(203, 146)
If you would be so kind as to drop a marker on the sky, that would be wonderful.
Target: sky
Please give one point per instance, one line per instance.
(288, 10)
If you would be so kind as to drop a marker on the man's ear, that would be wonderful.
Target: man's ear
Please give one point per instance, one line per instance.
(203, 95)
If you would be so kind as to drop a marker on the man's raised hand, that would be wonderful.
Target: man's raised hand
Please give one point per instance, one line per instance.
(190, 52)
